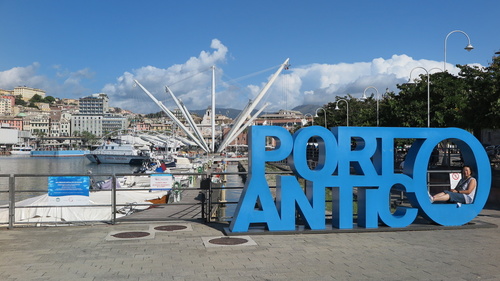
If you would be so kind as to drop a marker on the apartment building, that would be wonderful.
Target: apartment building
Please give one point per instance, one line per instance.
(12, 122)
(94, 117)
(5, 106)
(96, 104)
(89, 123)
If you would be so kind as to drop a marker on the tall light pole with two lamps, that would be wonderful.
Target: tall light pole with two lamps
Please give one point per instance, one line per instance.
(347, 105)
(324, 111)
(469, 47)
(428, 91)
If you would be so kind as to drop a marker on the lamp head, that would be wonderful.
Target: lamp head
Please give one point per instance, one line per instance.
(409, 83)
(469, 47)
(337, 107)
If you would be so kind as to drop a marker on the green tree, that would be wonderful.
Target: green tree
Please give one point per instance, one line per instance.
(448, 100)
(49, 99)
(482, 96)
(469, 100)
(31, 104)
(87, 137)
(408, 108)
(36, 98)
(338, 117)
(19, 100)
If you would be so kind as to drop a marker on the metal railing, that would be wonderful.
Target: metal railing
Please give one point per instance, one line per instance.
(11, 193)
(211, 195)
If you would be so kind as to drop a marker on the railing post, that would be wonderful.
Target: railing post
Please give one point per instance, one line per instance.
(203, 205)
(12, 202)
(209, 213)
(113, 198)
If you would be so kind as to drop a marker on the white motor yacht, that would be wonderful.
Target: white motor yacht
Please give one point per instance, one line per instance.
(21, 149)
(117, 153)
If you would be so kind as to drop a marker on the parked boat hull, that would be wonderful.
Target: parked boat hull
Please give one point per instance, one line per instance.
(58, 153)
(20, 152)
(116, 159)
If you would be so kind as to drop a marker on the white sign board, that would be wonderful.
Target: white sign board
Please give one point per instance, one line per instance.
(161, 181)
(454, 179)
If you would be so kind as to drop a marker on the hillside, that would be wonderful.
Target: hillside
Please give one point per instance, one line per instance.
(233, 113)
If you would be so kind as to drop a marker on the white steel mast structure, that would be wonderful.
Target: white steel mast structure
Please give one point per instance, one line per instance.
(212, 118)
(248, 110)
(238, 126)
(188, 117)
(248, 123)
(172, 116)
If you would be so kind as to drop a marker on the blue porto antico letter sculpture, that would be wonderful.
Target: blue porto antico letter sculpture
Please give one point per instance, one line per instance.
(373, 160)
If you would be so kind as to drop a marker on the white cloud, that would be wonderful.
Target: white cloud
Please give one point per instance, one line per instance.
(69, 87)
(20, 76)
(321, 83)
(191, 82)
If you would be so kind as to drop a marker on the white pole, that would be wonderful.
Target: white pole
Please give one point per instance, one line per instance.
(213, 110)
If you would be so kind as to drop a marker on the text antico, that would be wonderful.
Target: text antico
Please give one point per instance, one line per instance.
(373, 159)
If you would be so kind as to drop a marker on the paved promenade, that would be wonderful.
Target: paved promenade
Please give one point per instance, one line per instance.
(190, 253)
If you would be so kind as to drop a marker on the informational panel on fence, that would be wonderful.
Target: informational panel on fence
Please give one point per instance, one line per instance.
(69, 190)
(161, 181)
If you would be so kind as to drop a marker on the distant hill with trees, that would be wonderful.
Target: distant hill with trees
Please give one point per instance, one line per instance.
(233, 113)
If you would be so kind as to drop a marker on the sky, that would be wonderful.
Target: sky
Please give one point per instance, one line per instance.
(72, 49)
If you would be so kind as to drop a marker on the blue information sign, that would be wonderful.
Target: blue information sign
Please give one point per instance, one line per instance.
(69, 185)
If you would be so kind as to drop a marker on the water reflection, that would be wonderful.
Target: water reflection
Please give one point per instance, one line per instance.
(232, 195)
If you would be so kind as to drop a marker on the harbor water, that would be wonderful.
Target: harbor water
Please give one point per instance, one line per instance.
(226, 212)
(46, 166)
(43, 167)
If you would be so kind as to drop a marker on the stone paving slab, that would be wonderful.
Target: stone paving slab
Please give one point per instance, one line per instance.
(83, 253)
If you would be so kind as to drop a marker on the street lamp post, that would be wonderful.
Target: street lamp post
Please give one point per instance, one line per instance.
(347, 106)
(324, 111)
(428, 91)
(364, 97)
(469, 47)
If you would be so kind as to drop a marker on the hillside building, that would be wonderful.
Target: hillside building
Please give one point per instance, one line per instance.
(27, 93)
